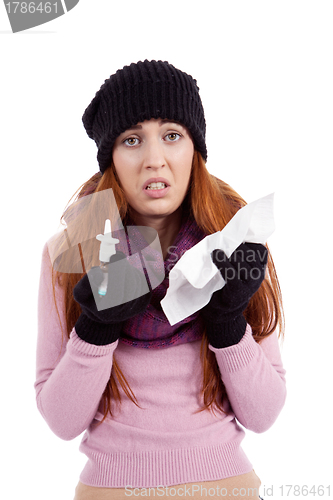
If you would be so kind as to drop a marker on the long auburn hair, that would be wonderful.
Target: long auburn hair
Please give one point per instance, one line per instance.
(213, 203)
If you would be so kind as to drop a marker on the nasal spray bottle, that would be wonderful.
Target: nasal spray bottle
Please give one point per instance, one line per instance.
(106, 250)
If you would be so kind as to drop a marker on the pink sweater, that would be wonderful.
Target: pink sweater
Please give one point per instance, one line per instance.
(165, 441)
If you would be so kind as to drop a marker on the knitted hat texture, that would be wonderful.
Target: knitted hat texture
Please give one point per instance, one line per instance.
(138, 92)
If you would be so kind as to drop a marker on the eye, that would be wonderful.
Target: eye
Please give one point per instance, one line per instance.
(172, 137)
(131, 141)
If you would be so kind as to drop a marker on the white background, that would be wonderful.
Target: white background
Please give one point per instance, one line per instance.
(264, 69)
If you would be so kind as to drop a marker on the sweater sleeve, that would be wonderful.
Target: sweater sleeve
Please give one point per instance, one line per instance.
(254, 378)
(71, 375)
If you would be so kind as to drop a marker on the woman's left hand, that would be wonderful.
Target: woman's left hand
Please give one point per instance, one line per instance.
(243, 273)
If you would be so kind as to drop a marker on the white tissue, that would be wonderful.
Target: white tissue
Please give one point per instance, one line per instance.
(194, 278)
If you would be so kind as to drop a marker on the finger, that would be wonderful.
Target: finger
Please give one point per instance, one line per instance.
(256, 252)
(226, 268)
(218, 257)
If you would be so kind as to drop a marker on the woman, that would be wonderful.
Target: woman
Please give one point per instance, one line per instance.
(160, 403)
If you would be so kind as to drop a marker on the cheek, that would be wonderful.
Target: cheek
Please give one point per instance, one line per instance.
(126, 163)
(121, 167)
(186, 174)
(185, 159)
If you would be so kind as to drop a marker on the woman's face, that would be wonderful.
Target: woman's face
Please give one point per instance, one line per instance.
(153, 160)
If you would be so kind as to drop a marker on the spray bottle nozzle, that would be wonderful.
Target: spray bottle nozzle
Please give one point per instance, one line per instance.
(106, 250)
(108, 243)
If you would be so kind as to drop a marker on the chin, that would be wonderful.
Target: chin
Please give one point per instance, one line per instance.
(162, 210)
(159, 213)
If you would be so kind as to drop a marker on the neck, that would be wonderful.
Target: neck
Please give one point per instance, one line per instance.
(167, 227)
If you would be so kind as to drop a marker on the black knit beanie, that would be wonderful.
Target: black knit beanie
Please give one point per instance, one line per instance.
(141, 91)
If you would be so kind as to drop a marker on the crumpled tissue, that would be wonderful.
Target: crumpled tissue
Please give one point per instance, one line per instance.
(194, 278)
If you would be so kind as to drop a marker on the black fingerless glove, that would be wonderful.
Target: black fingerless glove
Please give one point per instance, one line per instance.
(243, 273)
(101, 320)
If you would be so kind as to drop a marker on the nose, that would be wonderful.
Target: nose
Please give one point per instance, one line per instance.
(154, 157)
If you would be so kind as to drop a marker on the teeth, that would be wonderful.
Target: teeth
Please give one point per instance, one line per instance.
(156, 185)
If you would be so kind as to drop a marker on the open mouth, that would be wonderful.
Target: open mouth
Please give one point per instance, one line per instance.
(156, 185)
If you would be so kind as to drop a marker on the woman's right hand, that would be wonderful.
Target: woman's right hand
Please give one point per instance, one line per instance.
(127, 295)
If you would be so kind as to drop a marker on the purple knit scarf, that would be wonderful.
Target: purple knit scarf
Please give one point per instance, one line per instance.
(151, 329)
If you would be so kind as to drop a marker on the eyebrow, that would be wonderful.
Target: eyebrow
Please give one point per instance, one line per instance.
(161, 122)
(135, 127)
